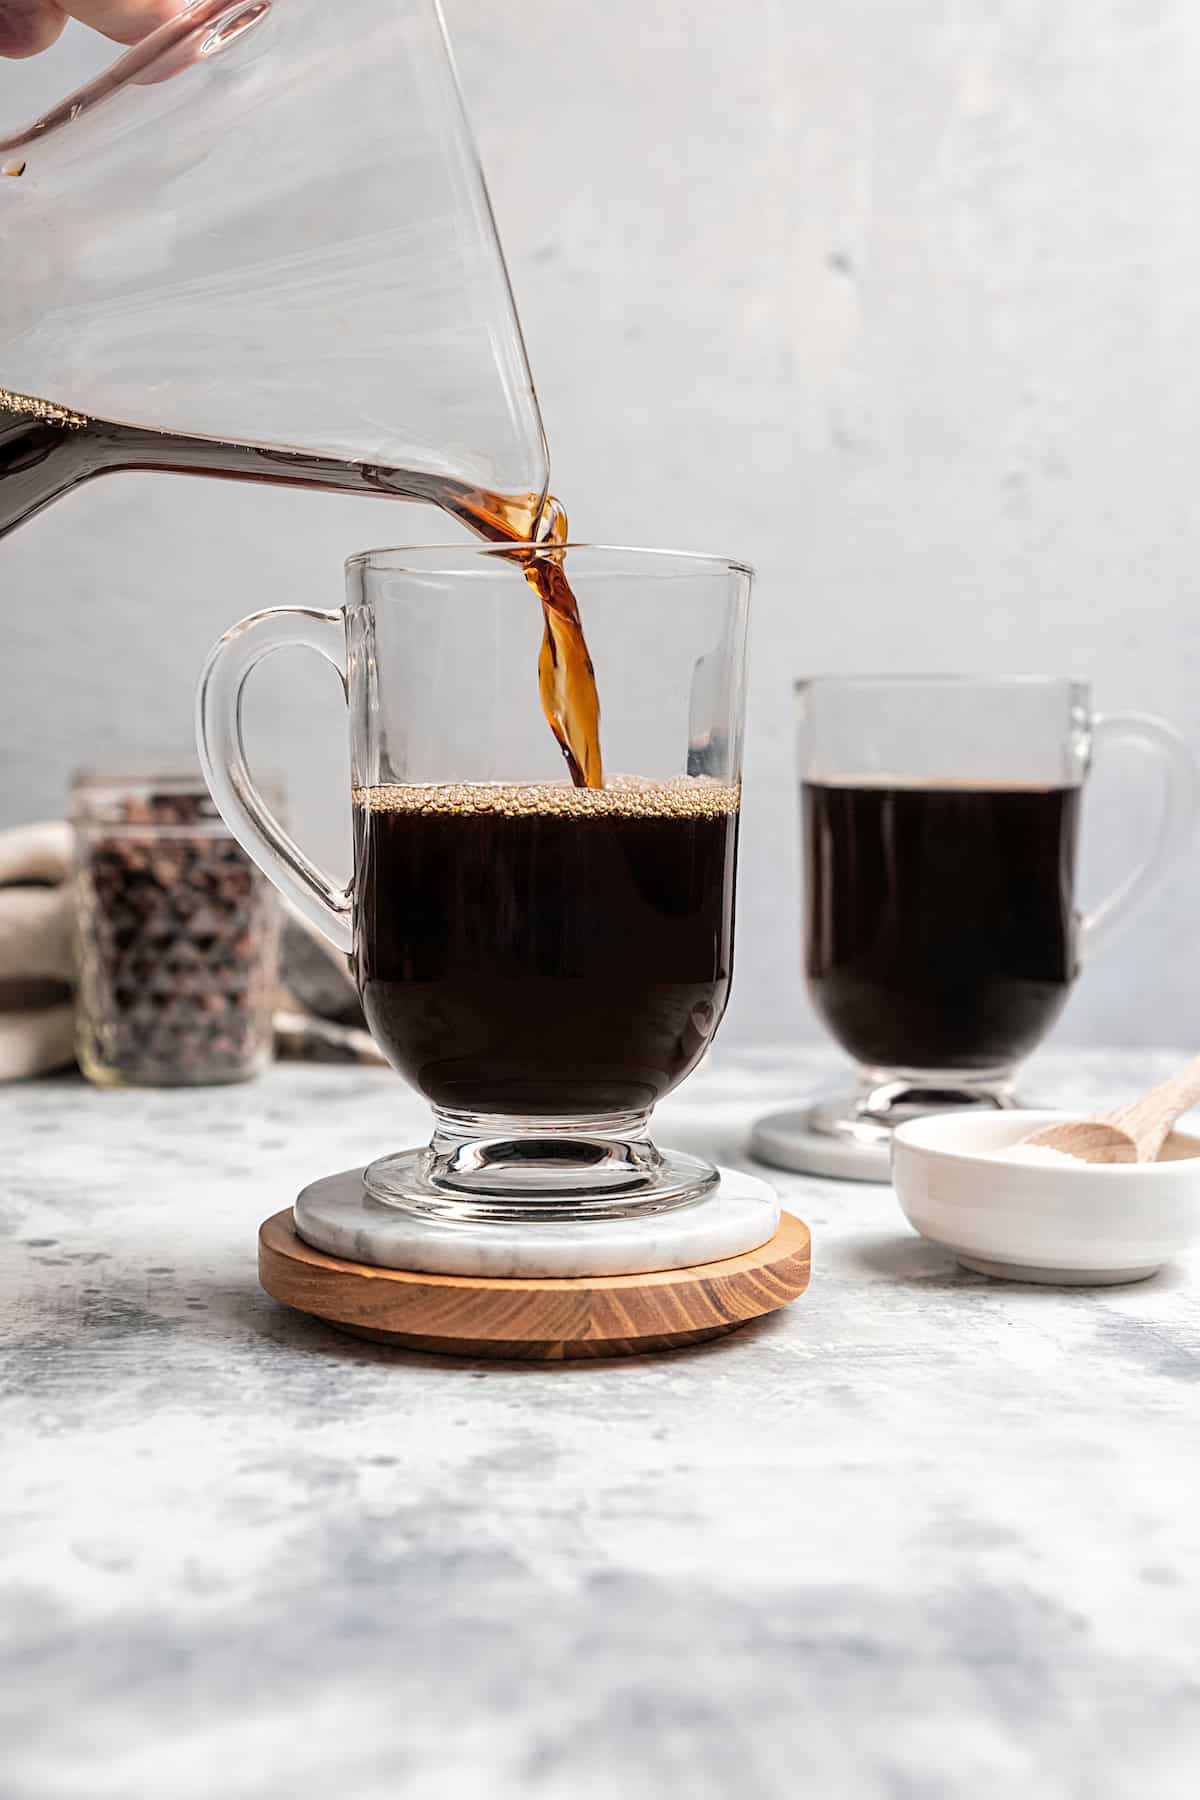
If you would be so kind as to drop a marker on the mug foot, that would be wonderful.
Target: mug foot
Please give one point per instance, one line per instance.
(480, 1169)
(848, 1134)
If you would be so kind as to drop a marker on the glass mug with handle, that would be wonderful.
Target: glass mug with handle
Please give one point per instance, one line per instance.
(542, 962)
(940, 820)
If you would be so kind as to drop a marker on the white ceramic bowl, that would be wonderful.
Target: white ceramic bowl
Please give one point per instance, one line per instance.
(1094, 1224)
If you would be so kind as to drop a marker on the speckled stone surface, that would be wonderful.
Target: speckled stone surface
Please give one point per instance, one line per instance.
(919, 1536)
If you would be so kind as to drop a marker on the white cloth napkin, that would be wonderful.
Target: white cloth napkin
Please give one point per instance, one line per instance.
(37, 973)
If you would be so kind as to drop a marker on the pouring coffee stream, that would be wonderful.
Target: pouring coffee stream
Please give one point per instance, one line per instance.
(47, 450)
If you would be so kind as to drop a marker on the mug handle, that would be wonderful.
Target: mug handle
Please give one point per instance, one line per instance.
(1176, 820)
(223, 757)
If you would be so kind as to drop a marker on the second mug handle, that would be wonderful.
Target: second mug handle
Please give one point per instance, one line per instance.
(1181, 800)
(223, 757)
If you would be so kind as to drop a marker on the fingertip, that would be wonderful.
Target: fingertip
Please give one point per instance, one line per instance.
(28, 27)
(126, 22)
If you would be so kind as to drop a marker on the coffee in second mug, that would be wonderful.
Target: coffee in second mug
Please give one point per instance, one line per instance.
(940, 821)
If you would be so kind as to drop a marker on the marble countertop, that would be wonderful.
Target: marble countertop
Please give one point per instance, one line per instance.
(920, 1536)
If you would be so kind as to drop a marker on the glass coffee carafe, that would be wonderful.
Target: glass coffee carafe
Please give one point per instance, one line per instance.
(260, 246)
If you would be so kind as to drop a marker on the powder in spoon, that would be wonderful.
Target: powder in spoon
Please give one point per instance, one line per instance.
(1043, 1155)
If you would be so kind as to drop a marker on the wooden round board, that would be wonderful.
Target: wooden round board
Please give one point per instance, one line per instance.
(589, 1315)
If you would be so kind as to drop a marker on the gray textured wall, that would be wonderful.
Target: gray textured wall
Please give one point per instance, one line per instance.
(898, 302)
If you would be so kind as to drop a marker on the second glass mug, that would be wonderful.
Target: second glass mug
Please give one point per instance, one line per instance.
(939, 825)
(543, 963)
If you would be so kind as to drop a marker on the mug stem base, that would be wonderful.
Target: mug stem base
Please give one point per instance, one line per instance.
(848, 1133)
(488, 1168)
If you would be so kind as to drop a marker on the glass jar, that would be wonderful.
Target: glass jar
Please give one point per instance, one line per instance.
(177, 935)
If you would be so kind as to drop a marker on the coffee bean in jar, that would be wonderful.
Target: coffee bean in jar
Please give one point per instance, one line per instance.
(177, 936)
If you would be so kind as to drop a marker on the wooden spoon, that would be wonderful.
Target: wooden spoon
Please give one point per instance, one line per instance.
(1127, 1134)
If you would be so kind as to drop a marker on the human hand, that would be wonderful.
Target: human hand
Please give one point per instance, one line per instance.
(27, 26)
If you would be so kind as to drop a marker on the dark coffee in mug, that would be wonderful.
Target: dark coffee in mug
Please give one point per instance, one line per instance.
(545, 950)
(940, 918)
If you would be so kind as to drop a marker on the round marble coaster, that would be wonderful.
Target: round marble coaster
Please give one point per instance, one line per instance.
(787, 1140)
(337, 1215)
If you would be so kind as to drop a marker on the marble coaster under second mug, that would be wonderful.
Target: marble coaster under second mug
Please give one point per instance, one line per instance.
(848, 1135)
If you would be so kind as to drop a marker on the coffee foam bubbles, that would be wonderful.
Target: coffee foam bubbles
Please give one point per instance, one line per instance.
(622, 797)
